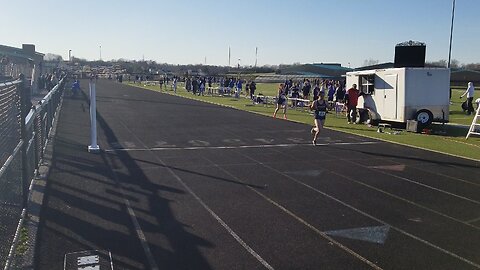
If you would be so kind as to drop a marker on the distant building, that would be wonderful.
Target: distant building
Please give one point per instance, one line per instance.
(320, 70)
(463, 76)
(330, 71)
(25, 60)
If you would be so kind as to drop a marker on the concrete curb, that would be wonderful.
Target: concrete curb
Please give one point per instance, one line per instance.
(35, 200)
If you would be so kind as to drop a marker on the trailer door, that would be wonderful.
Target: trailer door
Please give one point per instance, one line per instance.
(390, 97)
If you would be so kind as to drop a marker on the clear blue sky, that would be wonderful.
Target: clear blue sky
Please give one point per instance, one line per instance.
(285, 31)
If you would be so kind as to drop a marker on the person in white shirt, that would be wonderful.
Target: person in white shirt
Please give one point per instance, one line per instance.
(470, 92)
(175, 85)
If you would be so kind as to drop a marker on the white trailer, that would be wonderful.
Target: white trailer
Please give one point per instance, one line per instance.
(401, 94)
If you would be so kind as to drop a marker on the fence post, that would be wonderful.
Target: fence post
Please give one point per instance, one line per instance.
(24, 109)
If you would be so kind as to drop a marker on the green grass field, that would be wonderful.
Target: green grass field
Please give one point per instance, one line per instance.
(445, 139)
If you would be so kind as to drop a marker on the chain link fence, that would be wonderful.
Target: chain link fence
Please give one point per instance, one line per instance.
(23, 136)
(10, 161)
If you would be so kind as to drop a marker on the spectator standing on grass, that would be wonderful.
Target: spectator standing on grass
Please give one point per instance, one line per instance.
(339, 93)
(323, 86)
(331, 93)
(281, 101)
(470, 92)
(352, 102)
(238, 88)
(188, 84)
(231, 85)
(295, 93)
(226, 83)
(253, 87)
(174, 84)
(202, 87)
(316, 91)
(319, 106)
(195, 86)
(306, 89)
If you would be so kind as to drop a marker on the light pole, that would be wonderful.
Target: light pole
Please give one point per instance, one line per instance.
(229, 56)
(451, 35)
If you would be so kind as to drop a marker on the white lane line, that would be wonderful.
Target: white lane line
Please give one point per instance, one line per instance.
(418, 183)
(467, 223)
(368, 215)
(224, 225)
(411, 181)
(141, 236)
(233, 147)
(302, 221)
(206, 207)
(404, 200)
(136, 224)
(439, 174)
(473, 220)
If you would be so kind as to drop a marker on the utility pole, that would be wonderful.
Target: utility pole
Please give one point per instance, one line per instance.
(229, 55)
(256, 56)
(451, 35)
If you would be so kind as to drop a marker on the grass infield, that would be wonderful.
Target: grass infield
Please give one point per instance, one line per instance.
(448, 139)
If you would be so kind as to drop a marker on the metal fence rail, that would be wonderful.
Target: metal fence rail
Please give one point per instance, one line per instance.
(22, 145)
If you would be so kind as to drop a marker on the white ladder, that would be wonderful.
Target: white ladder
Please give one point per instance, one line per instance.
(475, 124)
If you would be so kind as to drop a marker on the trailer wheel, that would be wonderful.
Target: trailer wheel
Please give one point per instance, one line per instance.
(424, 118)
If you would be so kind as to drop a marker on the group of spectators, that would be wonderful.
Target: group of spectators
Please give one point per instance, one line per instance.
(229, 85)
(47, 81)
(334, 91)
(198, 85)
